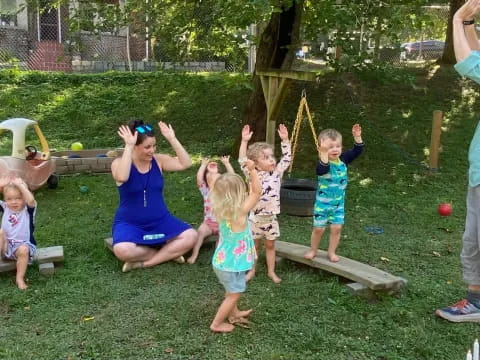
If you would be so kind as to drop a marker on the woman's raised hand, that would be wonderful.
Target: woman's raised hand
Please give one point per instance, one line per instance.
(127, 136)
(166, 130)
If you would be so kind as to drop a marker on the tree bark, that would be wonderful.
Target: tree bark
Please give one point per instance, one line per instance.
(276, 49)
(448, 56)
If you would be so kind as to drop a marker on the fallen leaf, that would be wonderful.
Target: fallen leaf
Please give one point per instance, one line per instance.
(169, 350)
(384, 259)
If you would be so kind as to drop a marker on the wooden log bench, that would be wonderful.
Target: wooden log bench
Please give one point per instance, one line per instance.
(46, 258)
(366, 279)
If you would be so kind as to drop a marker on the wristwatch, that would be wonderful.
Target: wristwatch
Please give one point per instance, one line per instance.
(469, 22)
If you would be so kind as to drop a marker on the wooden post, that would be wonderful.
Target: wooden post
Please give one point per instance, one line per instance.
(435, 139)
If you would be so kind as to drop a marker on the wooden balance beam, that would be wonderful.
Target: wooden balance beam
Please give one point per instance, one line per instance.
(367, 279)
(44, 257)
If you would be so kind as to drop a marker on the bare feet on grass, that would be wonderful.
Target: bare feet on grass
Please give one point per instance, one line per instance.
(310, 254)
(192, 259)
(274, 278)
(128, 266)
(21, 284)
(241, 314)
(222, 327)
(179, 260)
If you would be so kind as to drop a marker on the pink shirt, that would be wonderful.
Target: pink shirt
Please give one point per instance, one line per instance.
(207, 205)
(269, 203)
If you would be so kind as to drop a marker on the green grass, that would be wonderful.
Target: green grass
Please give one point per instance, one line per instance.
(165, 312)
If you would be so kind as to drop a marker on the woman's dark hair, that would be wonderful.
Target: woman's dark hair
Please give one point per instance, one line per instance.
(143, 130)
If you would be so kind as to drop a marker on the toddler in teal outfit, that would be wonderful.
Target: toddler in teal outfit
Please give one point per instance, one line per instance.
(332, 177)
(235, 253)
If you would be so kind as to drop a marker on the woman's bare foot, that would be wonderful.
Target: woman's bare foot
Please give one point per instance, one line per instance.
(274, 278)
(179, 260)
(132, 265)
(21, 284)
(250, 275)
(222, 327)
(192, 259)
(333, 257)
(310, 254)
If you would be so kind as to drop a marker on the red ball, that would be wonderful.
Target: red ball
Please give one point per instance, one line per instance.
(445, 209)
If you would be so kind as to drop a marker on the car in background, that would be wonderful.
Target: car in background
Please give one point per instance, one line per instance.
(423, 50)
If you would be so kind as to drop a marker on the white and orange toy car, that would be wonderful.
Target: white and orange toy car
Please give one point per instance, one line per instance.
(34, 167)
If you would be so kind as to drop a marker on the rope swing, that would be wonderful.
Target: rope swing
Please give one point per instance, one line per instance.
(296, 127)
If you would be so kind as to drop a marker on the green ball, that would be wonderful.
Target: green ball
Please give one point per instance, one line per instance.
(76, 146)
(84, 189)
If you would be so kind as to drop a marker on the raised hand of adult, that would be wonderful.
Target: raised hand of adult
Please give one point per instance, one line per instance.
(468, 10)
(126, 134)
(166, 130)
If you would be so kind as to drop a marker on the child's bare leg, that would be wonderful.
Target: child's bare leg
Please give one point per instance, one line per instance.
(270, 257)
(315, 238)
(335, 232)
(3, 244)
(203, 232)
(258, 247)
(22, 255)
(220, 322)
(237, 313)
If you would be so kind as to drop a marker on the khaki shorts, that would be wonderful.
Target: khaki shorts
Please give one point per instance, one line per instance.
(264, 227)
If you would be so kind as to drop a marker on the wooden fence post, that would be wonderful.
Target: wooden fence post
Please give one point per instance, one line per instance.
(435, 139)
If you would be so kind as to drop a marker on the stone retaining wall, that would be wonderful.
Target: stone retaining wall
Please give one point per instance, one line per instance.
(82, 165)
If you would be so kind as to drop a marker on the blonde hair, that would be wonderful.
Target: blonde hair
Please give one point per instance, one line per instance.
(227, 196)
(255, 150)
(11, 186)
(331, 134)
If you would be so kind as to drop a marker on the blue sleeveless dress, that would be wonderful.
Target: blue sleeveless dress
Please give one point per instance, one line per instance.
(151, 225)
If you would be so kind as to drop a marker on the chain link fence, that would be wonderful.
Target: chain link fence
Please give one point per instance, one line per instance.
(46, 40)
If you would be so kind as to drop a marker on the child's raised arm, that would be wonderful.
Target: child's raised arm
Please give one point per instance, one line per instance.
(201, 171)
(26, 193)
(255, 188)
(246, 136)
(226, 162)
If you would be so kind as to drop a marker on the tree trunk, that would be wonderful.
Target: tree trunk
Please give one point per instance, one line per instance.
(276, 49)
(448, 56)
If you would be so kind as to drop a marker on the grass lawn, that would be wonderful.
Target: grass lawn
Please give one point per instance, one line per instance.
(90, 310)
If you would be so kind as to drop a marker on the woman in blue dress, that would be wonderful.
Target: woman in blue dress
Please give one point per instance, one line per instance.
(145, 234)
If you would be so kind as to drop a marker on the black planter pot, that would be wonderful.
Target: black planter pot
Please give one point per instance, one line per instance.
(297, 197)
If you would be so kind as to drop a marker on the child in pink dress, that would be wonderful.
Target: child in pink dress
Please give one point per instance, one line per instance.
(207, 174)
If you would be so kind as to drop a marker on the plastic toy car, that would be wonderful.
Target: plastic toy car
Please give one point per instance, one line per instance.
(34, 167)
